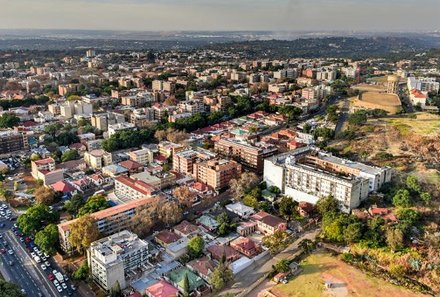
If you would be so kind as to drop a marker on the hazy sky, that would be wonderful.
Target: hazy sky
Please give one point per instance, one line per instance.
(290, 15)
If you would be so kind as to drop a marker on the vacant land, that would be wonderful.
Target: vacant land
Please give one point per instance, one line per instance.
(425, 124)
(346, 280)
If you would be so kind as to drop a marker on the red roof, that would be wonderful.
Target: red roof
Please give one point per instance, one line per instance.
(137, 185)
(44, 161)
(62, 186)
(167, 237)
(130, 164)
(162, 289)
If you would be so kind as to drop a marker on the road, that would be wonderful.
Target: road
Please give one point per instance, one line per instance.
(249, 277)
(342, 116)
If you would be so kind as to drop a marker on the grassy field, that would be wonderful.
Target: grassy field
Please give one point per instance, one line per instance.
(425, 124)
(321, 267)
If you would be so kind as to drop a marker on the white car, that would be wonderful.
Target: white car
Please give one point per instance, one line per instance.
(33, 254)
(64, 286)
(59, 289)
(47, 264)
(10, 252)
(39, 253)
(56, 283)
(43, 267)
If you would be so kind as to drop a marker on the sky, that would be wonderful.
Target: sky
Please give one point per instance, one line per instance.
(221, 15)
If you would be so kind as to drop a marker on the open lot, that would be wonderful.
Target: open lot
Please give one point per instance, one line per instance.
(346, 280)
(425, 124)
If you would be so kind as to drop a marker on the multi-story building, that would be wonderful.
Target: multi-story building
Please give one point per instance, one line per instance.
(142, 117)
(268, 224)
(143, 156)
(113, 129)
(12, 141)
(424, 84)
(216, 173)
(112, 257)
(192, 106)
(167, 148)
(97, 159)
(307, 174)
(46, 171)
(248, 155)
(101, 121)
(183, 161)
(127, 189)
(109, 221)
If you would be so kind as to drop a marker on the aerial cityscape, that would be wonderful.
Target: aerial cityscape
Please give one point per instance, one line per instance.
(180, 148)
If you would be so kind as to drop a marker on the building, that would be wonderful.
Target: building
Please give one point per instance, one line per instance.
(161, 289)
(97, 159)
(127, 189)
(183, 161)
(246, 246)
(142, 117)
(423, 84)
(268, 224)
(109, 221)
(11, 141)
(115, 128)
(46, 171)
(240, 209)
(307, 173)
(102, 121)
(219, 251)
(216, 173)
(418, 97)
(112, 257)
(246, 154)
(142, 156)
(392, 84)
(167, 148)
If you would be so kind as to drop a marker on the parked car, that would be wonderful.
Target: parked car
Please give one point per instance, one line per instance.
(51, 277)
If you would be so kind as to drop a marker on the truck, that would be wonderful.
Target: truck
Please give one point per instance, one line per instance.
(59, 277)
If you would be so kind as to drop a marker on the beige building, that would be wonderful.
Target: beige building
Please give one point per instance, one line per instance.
(216, 173)
(142, 156)
(46, 171)
(127, 189)
(97, 159)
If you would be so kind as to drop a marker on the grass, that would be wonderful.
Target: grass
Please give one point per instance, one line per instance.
(424, 124)
(322, 266)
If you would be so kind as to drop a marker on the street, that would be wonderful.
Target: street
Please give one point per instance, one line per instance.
(343, 116)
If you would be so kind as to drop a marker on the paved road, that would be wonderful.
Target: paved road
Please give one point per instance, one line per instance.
(245, 279)
(343, 116)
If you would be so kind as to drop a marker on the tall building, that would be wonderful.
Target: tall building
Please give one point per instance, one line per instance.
(12, 141)
(112, 257)
(307, 174)
(424, 84)
(127, 189)
(46, 171)
(142, 156)
(216, 173)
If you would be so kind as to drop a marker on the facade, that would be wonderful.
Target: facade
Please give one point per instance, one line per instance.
(97, 159)
(306, 174)
(109, 221)
(269, 224)
(142, 156)
(11, 141)
(183, 161)
(127, 189)
(113, 129)
(110, 258)
(216, 173)
(423, 84)
(45, 170)
(246, 154)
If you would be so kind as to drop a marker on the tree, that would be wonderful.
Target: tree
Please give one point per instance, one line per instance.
(286, 207)
(412, 184)
(250, 201)
(394, 238)
(8, 289)
(185, 286)
(327, 204)
(35, 218)
(70, 155)
(402, 198)
(282, 266)
(240, 186)
(221, 276)
(353, 232)
(195, 247)
(376, 232)
(274, 190)
(47, 239)
(225, 225)
(83, 232)
(9, 120)
(94, 204)
(277, 241)
(160, 135)
(184, 195)
(145, 218)
(170, 213)
(307, 245)
(74, 204)
(333, 225)
(425, 197)
(358, 118)
(82, 272)
(44, 195)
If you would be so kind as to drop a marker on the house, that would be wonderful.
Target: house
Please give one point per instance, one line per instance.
(268, 224)
(195, 282)
(240, 209)
(161, 289)
(203, 267)
(246, 246)
(63, 186)
(218, 251)
(165, 238)
(208, 222)
(186, 229)
(132, 166)
(79, 147)
(114, 170)
(246, 228)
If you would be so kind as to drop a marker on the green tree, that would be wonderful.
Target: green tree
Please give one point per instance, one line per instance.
(9, 120)
(250, 201)
(425, 197)
(221, 276)
(35, 218)
(185, 286)
(47, 239)
(83, 232)
(394, 238)
(327, 204)
(282, 266)
(358, 118)
(307, 245)
(82, 272)
(9, 289)
(376, 232)
(74, 204)
(94, 204)
(413, 184)
(277, 241)
(353, 232)
(286, 207)
(116, 291)
(195, 247)
(70, 155)
(402, 198)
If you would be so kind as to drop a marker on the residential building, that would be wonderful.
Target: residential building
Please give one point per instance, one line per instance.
(97, 159)
(12, 141)
(115, 128)
(109, 221)
(246, 246)
(307, 173)
(142, 156)
(112, 257)
(216, 173)
(161, 289)
(203, 266)
(127, 189)
(268, 224)
(217, 252)
(240, 209)
(46, 171)
(423, 84)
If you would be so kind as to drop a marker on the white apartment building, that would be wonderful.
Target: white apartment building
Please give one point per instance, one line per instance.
(127, 189)
(143, 156)
(307, 174)
(424, 84)
(113, 129)
(110, 258)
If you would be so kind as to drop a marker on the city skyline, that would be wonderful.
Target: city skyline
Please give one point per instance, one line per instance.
(171, 15)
